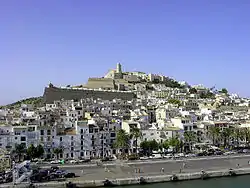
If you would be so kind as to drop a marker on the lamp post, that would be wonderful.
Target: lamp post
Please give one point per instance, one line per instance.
(14, 172)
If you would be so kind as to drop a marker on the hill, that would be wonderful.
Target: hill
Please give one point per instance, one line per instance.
(37, 101)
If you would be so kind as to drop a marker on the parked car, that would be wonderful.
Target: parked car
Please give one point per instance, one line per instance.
(218, 153)
(168, 156)
(230, 153)
(55, 162)
(179, 155)
(84, 160)
(106, 159)
(190, 155)
(69, 175)
(40, 176)
(156, 156)
(54, 168)
(73, 161)
(144, 158)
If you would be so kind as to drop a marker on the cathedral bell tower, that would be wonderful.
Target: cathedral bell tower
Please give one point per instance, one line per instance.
(118, 68)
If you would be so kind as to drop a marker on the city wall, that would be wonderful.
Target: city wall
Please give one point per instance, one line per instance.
(53, 93)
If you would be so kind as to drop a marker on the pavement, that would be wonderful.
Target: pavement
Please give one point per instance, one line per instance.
(122, 170)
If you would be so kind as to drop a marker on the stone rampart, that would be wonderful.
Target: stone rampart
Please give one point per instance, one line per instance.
(52, 94)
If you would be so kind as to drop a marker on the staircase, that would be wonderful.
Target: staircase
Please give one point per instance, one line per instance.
(23, 177)
(24, 169)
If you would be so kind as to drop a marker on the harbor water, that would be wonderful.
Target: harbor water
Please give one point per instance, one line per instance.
(232, 182)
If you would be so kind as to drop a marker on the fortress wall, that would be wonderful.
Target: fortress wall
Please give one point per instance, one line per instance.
(96, 83)
(52, 93)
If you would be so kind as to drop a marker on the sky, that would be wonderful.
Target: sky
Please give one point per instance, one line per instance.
(66, 42)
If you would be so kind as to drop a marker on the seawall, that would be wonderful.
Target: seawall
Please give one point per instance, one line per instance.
(141, 179)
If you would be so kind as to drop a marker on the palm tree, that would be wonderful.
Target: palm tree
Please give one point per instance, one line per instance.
(57, 151)
(122, 140)
(237, 135)
(20, 150)
(135, 134)
(214, 132)
(226, 134)
(246, 135)
(189, 138)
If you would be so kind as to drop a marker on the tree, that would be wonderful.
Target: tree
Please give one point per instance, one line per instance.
(32, 151)
(214, 132)
(57, 151)
(175, 143)
(122, 140)
(226, 134)
(174, 101)
(135, 134)
(165, 144)
(224, 90)
(20, 150)
(192, 90)
(207, 95)
(39, 151)
(246, 135)
(144, 145)
(153, 145)
(189, 138)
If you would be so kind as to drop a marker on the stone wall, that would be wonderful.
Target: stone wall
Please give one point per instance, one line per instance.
(96, 83)
(53, 93)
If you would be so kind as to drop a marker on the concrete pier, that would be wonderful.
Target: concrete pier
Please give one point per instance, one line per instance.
(142, 179)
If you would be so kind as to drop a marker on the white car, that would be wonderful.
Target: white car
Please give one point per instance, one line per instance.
(190, 155)
(55, 162)
(168, 156)
(179, 155)
(156, 156)
(73, 161)
(144, 158)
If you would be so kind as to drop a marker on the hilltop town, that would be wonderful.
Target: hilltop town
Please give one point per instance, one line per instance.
(124, 112)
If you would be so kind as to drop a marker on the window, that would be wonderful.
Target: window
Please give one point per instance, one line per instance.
(81, 142)
(81, 136)
(72, 143)
(48, 138)
(112, 135)
(48, 132)
(41, 139)
(41, 132)
(91, 130)
(61, 139)
(72, 149)
(81, 131)
(72, 137)
(23, 139)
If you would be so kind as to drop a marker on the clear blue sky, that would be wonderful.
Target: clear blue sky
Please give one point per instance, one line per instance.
(65, 42)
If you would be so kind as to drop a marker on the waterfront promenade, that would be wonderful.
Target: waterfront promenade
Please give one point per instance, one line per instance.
(121, 173)
(149, 168)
